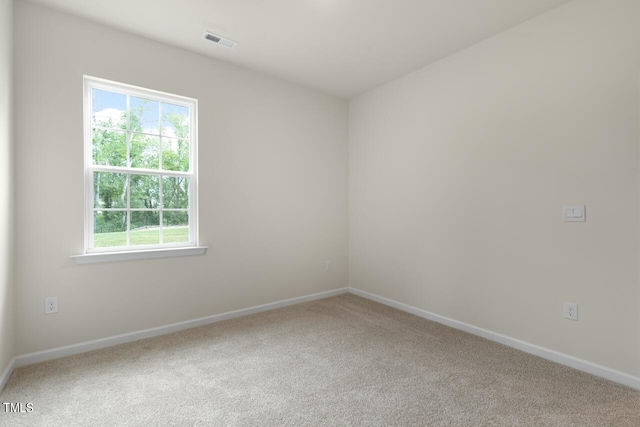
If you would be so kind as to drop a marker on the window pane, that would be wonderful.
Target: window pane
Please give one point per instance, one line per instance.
(175, 192)
(175, 227)
(145, 191)
(145, 151)
(109, 190)
(109, 109)
(145, 228)
(109, 148)
(175, 154)
(175, 121)
(144, 115)
(138, 139)
(110, 229)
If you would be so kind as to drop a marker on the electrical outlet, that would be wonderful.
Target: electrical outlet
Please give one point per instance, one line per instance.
(571, 311)
(328, 265)
(50, 305)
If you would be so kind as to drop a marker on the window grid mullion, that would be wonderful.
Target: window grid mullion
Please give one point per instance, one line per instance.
(160, 135)
(161, 237)
(128, 135)
(128, 113)
(160, 209)
(132, 210)
(108, 129)
(128, 183)
(120, 169)
(128, 178)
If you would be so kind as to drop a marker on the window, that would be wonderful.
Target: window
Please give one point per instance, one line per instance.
(140, 169)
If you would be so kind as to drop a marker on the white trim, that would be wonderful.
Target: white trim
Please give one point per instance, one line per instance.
(139, 92)
(96, 257)
(139, 171)
(141, 248)
(545, 353)
(4, 378)
(55, 353)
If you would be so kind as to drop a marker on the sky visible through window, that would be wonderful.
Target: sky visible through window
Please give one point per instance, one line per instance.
(112, 105)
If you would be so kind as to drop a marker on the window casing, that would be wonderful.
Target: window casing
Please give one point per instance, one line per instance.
(140, 151)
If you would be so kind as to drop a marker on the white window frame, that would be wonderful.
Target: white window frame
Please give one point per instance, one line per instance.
(92, 254)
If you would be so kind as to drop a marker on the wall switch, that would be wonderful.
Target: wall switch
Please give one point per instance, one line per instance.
(328, 265)
(571, 311)
(50, 305)
(575, 213)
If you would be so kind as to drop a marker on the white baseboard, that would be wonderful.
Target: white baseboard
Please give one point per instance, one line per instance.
(4, 378)
(55, 353)
(573, 362)
(545, 353)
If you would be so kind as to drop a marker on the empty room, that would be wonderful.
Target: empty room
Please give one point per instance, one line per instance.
(320, 212)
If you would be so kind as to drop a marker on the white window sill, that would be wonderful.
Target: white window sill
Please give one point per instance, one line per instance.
(134, 255)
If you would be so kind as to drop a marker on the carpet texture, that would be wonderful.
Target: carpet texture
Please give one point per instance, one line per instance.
(338, 361)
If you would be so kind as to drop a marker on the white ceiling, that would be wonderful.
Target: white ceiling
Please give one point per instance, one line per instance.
(343, 47)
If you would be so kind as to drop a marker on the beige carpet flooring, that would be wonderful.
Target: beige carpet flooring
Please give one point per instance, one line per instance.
(338, 361)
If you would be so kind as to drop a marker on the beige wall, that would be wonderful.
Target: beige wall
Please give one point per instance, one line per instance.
(6, 226)
(273, 187)
(458, 173)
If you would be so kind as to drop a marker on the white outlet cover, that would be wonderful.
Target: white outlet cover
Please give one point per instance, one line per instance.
(50, 305)
(570, 311)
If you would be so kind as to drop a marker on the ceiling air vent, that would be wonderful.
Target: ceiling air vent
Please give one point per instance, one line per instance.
(214, 38)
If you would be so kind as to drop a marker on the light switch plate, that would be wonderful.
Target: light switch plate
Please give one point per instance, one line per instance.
(574, 213)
